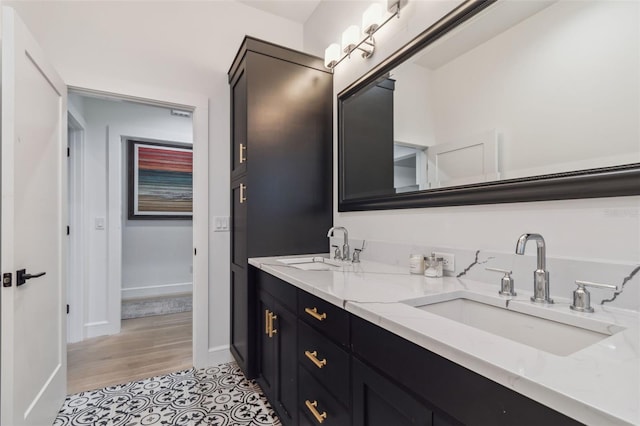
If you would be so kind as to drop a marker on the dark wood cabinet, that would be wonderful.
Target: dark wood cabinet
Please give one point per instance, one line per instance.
(281, 170)
(277, 355)
(324, 366)
(458, 395)
(377, 401)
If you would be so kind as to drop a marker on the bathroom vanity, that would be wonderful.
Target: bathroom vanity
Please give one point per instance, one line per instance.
(341, 343)
(370, 344)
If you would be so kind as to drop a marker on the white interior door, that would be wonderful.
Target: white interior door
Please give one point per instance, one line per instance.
(33, 230)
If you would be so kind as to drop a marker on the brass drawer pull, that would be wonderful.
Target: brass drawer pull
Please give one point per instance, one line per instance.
(313, 357)
(243, 197)
(272, 330)
(267, 323)
(243, 148)
(314, 313)
(312, 406)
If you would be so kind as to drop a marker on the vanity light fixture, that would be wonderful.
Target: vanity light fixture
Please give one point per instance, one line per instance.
(371, 18)
(332, 55)
(351, 38)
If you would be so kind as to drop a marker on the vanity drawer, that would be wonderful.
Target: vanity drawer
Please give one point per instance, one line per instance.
(325, 360)
(314, 400)
(329, 319)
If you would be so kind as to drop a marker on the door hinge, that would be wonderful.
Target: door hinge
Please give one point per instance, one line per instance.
(68, 230)
(68, 152)
(67, 309)
(7, 280)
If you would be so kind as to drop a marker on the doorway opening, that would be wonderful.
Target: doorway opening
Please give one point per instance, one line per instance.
(130, 288)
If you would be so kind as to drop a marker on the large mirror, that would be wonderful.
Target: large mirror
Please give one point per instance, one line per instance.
(499, 102)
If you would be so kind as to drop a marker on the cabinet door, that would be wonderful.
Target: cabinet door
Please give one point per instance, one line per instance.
(286, 359)
(267, 346)
(242, 296)
(239, 123)
(277, 356)
(242, 320)
(379, 402)
(290, 175)
(239, 222)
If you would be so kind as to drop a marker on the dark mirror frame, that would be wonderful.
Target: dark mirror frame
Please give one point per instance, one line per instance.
(614, 181)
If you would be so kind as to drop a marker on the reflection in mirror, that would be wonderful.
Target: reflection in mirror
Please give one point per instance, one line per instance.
(409, 167)
(524, 88)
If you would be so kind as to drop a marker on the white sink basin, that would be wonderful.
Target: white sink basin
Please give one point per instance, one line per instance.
(315, 263)
(531, 328)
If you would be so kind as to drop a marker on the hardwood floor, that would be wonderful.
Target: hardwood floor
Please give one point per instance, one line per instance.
(144, 348)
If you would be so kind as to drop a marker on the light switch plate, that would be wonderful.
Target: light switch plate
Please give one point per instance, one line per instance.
(100, 223)
(221, 223)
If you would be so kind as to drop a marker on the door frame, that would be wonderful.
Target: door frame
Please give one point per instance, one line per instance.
(199, 106)
(77, 243)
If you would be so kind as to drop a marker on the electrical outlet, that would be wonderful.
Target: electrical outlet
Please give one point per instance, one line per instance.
(448, 262)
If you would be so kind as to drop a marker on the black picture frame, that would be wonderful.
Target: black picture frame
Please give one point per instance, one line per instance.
(176, 176)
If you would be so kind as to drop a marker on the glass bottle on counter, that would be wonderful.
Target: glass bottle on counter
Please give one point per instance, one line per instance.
(433, 266)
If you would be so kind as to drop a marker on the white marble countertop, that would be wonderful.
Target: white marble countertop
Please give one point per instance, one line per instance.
(598, 385)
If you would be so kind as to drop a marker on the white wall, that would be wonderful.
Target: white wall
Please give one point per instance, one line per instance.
(157, 46)
(606, 229)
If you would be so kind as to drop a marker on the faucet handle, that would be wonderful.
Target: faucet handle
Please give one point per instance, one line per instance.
(582, 297)
(336, 252)
(507, 284)
(504, 271)
(356, 255)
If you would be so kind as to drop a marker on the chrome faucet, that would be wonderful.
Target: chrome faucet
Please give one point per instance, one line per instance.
(540, 275)
(345, 245)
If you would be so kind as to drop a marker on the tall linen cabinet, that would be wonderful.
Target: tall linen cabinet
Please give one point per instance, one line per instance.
(281, 171)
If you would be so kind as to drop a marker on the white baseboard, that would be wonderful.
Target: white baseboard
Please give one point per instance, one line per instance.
(156, 290)
(219, 355)
(99, 328)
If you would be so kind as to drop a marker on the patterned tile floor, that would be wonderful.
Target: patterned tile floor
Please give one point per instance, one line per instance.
(215, 396)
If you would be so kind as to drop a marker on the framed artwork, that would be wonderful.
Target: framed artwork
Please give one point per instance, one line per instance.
(160, 180)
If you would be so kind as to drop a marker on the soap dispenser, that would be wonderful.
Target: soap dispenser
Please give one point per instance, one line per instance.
(433, 266)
